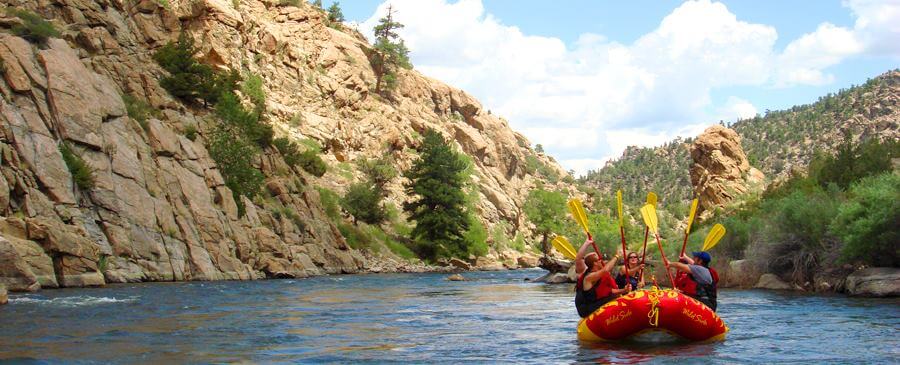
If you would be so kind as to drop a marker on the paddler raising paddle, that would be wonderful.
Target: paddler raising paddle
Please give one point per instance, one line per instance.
(595, 286)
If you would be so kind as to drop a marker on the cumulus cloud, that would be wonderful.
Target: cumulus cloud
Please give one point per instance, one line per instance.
(736, 108)
(876, 31)
(588, 100)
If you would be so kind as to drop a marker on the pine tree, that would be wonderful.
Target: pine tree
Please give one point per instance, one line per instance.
(335, 15)
(317, 4)
(390, 52)
(437, 181)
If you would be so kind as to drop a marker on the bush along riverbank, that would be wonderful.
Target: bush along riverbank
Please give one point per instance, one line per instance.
(833, 229)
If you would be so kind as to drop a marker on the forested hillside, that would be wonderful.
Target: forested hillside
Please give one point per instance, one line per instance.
(776, 143)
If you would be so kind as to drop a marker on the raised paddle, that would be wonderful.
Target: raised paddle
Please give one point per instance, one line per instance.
(563, 246)
(713, 237)
(577, 210)
(687, 230)
(648, 212)
(622, 231)
(651, 199)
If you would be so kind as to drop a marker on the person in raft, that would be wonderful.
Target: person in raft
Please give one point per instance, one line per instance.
(595, 286)
(696, 279)
(634, 266)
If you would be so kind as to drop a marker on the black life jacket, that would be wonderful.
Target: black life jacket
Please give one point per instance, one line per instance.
(707, 293)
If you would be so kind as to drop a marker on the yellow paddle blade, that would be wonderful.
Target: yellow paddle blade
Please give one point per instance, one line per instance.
(578, 213)
(648, 212)
(713, 237)
(619, 208)
(651, 198)
(563, 246)
(691, 216)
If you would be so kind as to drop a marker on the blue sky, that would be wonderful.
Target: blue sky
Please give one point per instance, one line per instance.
(587, 78)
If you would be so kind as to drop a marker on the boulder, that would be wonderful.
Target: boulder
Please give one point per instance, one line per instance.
(741, 273)
(456, 277)
(3, 297)
(15, 272)
(772, 282)
(488, 264)
(460, 264)
(553, 278)
(527, 261)
(875, 282)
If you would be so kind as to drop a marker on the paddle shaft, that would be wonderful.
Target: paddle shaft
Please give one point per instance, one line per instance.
(644, 250)
(684, 245)
(665, 261)
(599, 256)
(624, 253)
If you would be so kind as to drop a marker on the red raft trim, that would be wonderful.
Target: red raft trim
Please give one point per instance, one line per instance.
(652, 310)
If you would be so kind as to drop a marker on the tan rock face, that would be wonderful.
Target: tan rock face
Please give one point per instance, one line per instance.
(159, 209)
(720, 170)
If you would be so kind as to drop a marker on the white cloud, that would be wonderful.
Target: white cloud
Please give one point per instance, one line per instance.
(587, 101)
(875, 32)
(736, 108)
(804, 59)
(877, 25)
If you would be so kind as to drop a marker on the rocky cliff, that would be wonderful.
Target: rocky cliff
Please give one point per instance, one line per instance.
(158, 209)
(720, 170)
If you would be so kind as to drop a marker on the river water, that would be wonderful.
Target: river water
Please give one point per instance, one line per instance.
(418, 318)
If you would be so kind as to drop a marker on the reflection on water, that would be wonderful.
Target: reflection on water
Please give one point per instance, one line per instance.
(494, 317)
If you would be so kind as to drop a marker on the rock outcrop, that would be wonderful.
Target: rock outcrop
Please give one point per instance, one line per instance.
(772, 282)
(874, 282)
(720, 171)
(159, 209)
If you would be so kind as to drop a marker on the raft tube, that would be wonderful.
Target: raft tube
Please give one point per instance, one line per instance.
(653, 310)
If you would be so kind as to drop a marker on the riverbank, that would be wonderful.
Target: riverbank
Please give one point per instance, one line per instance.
(17, 275)
(747, 274)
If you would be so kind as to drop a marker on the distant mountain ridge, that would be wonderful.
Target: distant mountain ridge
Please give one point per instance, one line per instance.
(776, 143)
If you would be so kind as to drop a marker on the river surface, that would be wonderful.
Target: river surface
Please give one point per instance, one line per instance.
(413, 318)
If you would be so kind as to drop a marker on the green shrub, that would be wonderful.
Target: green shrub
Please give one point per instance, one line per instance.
(802, 216)
(534, 165)
(234, 157)
(252, 87)
(363, 202)
(356, 238)
(81, 171)
(33, 28)
(869, 222)
(312, 163)
(330, 201)
(289, 2)
(190, 131)
(138, 109)
(292, 215)
(400, 249)
(379, 171)
(308, 160)
(853, 162)
(232, 112)
(476, 237)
